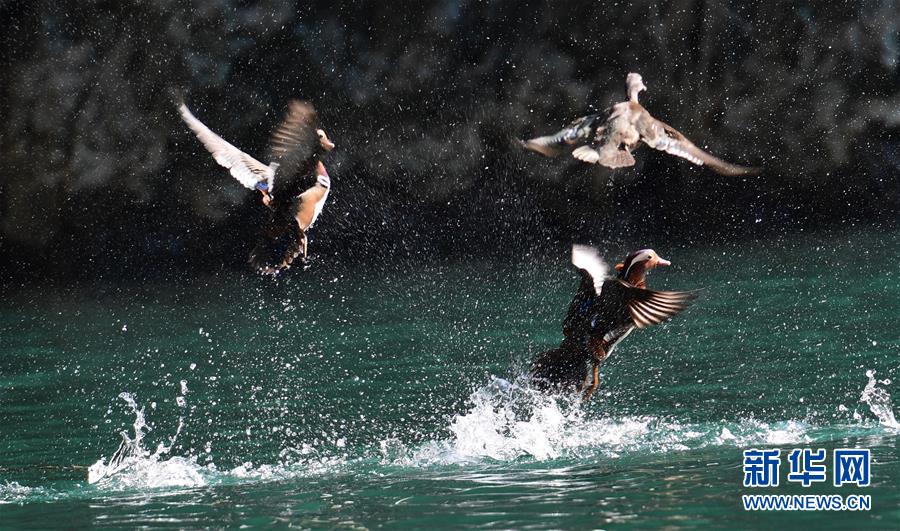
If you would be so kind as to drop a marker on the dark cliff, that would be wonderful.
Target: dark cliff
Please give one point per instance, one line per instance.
(99, 175)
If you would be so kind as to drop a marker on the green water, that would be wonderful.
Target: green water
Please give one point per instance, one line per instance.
(349, 397)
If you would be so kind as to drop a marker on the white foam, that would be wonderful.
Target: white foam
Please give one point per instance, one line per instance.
(132, 465)
(152, 473)
(506, 421)
(503, 422)
(14, 492)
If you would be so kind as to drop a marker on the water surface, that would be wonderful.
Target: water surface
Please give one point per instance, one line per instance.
(350, 397)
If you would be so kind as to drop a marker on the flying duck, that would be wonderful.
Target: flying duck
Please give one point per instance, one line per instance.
(603, 312)
(608, 138)
(293, 205)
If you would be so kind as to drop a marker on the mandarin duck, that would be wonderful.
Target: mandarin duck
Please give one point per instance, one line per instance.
(608, 138)
(292, 203)
(603, 312)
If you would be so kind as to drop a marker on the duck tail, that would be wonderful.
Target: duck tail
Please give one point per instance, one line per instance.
(277, 245)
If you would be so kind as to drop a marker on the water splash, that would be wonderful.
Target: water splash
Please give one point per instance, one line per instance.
(13, 492)
(504, 422)
(145, 468)
(879, 401)
(507, 421)
(134, 467)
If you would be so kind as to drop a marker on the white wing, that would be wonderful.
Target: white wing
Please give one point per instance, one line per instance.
(243, 167)
(587, 258)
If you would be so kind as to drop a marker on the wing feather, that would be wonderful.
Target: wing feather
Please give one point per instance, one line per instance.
(246, 169)
(295, 142)
(648, 307)
(662, 136)
(580, 130)
(587, 259)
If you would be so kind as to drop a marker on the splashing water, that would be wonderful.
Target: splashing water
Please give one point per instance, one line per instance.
(13, 492)
(145, 468)
(504, 422)
(879, 401)
(507, 421)
(132, 466)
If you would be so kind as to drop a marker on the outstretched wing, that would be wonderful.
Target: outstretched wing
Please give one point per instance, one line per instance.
(648, 307)
(662, 136)
(587, 259)
(247, 170)
(295, 143)
(581, 130)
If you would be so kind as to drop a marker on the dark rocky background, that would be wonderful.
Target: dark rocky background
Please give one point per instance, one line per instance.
(100, 179)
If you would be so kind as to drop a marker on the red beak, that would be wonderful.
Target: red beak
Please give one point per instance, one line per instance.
(663, 262)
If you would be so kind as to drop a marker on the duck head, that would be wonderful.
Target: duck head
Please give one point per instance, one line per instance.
(637, 264)
(326, 144)
(635, 84)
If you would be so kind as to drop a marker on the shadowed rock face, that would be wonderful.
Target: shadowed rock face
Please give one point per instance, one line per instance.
(422, 99)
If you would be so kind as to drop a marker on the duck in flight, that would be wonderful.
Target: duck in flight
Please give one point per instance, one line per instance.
(294, 185)
(608, 138)
(603, 312)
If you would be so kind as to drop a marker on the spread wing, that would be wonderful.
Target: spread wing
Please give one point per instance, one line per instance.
(587, 259)
(581, 130)
(648, 307)
(242, 166)
(664, 137)
(295, 143)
